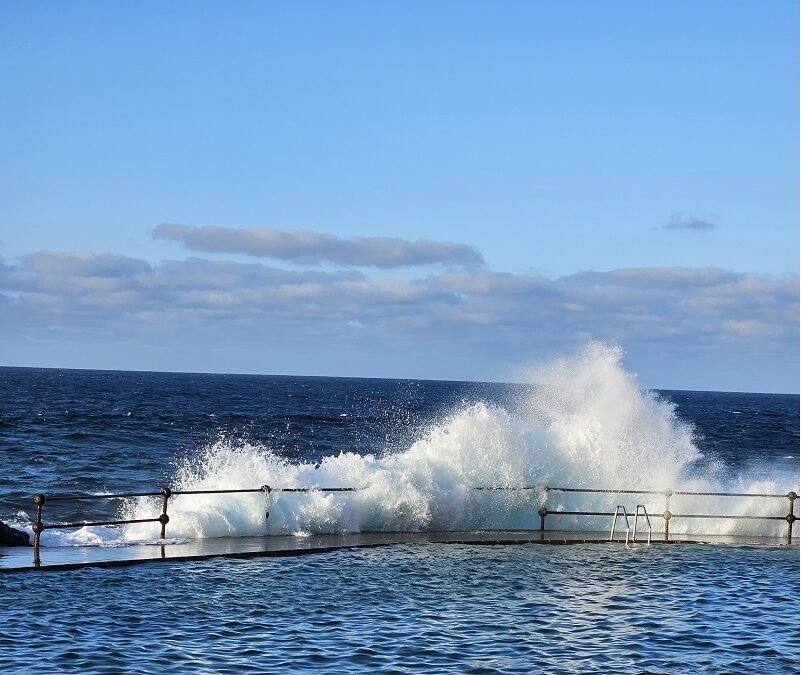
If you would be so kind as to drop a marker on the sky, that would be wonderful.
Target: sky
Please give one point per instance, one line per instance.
(415, 190)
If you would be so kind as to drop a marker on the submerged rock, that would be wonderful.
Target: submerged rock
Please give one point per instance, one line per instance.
(11, 537)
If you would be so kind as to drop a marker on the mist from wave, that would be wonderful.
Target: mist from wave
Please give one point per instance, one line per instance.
(583, 423)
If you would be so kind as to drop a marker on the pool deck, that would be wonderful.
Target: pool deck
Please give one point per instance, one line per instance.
(20, 559)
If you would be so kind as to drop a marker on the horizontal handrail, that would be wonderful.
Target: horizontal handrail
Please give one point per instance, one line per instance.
(267, 488)
(714, 515)
(121, 495)
(668, 492)
(511, 488)
(507, 488)
(263, 488)
(611, 491)
(733, 494)
(673, 515)
(67, 526)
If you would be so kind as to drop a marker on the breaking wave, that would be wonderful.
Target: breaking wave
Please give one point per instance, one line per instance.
(583, 423)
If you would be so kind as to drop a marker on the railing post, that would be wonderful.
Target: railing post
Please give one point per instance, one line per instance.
(164, 518)
(543, 512)
(38, 527)
(667, 513)
(267, 490)
(791, 518)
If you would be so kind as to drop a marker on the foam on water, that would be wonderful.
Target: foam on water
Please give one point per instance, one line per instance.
(584, 423)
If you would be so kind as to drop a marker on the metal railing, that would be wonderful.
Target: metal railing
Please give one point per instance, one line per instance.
(667, 515)
(638, 509)
(166, 493)
(619, 511)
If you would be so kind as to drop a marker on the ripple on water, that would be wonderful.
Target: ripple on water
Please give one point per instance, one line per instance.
(419, 608)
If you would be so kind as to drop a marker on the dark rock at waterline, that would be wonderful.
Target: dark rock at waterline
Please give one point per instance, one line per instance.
(11, 537)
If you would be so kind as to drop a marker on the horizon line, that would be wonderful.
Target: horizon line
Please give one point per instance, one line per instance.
(367, 377)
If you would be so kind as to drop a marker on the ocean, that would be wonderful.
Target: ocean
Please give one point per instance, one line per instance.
(417, 449)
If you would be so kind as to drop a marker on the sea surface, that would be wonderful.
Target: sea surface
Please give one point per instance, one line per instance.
(417, 448)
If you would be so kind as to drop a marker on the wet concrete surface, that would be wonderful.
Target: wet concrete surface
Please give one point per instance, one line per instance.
(73, 557)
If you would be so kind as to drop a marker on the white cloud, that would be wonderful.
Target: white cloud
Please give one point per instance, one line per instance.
(75, 291)
(314, 248)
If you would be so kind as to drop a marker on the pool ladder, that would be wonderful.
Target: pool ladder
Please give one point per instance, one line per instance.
(620, 510)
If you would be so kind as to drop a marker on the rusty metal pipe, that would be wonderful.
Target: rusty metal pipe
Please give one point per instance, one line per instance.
(38, 527)
(509, 489)
(121, 495)
(661, 492)
(164, 518)
(717, 515)
(791, 518)
(543, 512)
(605, 491)
(69, 526)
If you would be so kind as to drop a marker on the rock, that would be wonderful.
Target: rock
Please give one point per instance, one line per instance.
(11, 537)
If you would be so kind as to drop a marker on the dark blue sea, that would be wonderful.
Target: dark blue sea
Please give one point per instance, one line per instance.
(416, 448)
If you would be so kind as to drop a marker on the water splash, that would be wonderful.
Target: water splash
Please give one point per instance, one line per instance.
(583, 422)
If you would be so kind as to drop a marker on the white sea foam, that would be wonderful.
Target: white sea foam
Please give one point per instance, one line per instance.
(585, 423)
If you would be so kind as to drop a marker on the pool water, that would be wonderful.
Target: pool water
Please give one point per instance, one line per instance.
(418, 608)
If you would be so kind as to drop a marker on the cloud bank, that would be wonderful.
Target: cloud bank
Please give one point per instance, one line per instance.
(691, 305)
(306, 247)
(703, 327)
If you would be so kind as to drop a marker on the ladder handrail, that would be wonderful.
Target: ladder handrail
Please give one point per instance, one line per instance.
(619, 509)
(638, 507)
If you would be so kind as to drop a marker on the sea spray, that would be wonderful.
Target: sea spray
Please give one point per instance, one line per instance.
(581, 422)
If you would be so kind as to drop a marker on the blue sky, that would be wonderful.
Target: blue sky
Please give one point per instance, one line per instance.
(481, 185)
